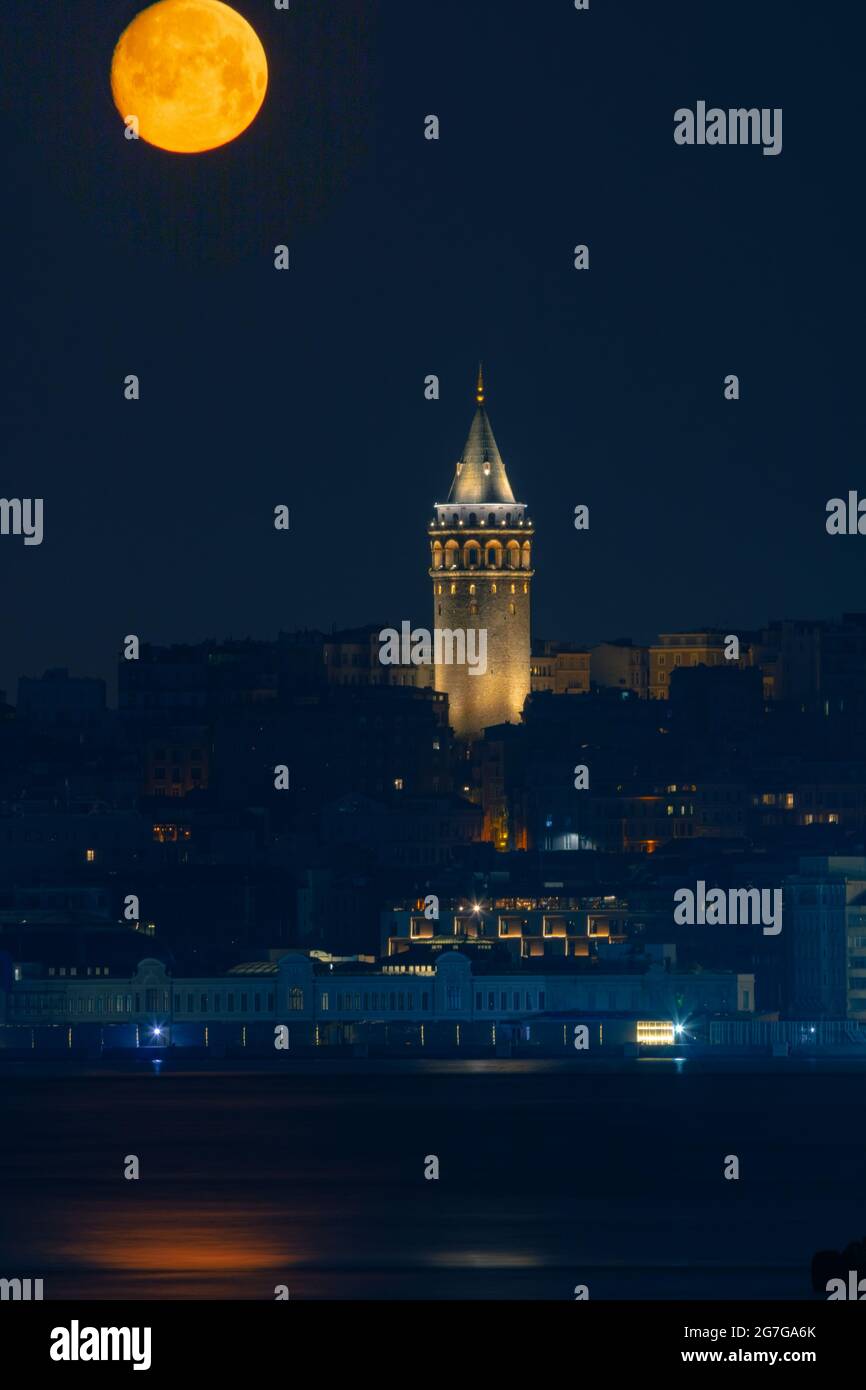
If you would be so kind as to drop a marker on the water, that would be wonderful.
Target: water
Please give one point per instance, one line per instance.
(551, 1175)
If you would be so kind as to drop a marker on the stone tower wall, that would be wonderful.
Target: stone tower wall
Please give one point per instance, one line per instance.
(497, 696)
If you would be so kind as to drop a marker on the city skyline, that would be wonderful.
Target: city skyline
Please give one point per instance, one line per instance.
(433, 672)
(585, 632)
(157, 511)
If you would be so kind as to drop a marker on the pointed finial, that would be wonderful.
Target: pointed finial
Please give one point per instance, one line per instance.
(479, 390)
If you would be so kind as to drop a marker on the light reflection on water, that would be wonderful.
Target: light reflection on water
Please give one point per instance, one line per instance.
(315, 1180)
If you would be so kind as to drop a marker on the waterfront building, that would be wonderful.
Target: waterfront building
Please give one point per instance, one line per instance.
(325, 1000)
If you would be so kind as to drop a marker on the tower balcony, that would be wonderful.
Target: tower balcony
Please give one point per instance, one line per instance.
(476, 553)
(477, 517)
(504, 576)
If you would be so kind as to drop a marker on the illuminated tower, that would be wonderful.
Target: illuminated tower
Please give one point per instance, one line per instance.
(481, 544)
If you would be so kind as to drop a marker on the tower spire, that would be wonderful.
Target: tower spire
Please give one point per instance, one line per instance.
(481, 475)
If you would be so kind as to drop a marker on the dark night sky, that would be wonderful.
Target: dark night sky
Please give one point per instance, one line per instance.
(411, 257)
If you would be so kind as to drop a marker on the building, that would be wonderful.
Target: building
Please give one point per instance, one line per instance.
(34, 837)
(525, 930)
(620, 665)
(676, 649)
(481, 568)
(717, 698)
(560, 669)
(404, 832)
(71, 919)
(177, 762)
(322, 1000)
(825, 932)
(352, 658)
(817, 665)
(57, 699)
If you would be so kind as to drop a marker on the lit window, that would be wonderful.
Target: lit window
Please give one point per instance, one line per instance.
(655, 1034)
(90, 855)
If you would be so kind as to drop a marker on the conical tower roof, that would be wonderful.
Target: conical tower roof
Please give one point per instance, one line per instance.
(481, 475)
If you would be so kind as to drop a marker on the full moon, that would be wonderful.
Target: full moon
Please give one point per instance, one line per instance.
(192, 72)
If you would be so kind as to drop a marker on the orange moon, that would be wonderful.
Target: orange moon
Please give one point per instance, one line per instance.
(192, 72)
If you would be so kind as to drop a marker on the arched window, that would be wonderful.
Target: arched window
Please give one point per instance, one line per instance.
(512, 608)
(471, 555)
(513, 555)
(494, 556)
(491, 519)
(296, 999)
(473, 519)
(526, 555)
(438, 556)
(473, 610)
